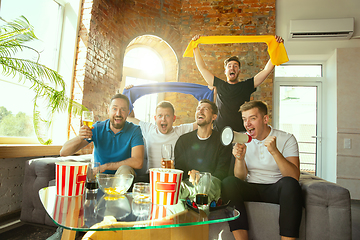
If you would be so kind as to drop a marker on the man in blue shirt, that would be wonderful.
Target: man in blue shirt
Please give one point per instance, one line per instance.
(117, 143)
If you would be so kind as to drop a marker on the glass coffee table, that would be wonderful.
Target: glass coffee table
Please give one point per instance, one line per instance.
(108, 217)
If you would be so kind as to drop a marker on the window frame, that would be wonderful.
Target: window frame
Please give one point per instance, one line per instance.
(308, 64)
(34, 140)
(303, 81)
(68, 40)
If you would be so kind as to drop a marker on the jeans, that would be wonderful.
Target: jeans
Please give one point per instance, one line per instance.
(286, 192)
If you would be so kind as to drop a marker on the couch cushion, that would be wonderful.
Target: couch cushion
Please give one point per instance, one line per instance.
(38, 173)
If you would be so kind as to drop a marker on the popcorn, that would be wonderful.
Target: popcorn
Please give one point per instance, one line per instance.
(115, 191)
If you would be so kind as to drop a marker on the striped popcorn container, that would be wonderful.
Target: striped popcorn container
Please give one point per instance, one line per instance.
(165, 185)
(64, 205)
(70, 178)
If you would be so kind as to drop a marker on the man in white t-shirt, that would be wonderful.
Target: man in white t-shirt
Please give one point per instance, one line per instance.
(266, 170)
(162, 132)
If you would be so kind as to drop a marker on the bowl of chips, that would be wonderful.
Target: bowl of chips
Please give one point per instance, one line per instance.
(112, 184)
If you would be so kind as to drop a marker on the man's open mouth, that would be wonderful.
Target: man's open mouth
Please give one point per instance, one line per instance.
(251, 131)
(118, 119)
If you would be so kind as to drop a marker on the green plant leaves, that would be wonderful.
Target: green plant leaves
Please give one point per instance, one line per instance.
(47, 84)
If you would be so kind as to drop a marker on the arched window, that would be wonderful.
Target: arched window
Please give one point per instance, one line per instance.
(149, 59)
(142, 65)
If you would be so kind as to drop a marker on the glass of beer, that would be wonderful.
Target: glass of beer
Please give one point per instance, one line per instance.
(91, 176)
(88, 119)
(202, 187)
(167, 154)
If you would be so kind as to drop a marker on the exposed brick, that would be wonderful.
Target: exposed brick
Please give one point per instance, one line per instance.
(115, 23)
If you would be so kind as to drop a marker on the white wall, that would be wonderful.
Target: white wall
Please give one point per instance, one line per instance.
(348, 124)
(324, 52)
(329, 123)
(314, 50)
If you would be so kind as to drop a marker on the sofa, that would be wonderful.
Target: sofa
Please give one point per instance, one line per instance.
(326, 212)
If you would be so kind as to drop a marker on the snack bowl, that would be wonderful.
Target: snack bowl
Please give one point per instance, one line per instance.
(112, 184)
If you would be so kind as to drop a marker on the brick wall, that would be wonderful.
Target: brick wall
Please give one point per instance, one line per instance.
(108, 26)
(245, 17)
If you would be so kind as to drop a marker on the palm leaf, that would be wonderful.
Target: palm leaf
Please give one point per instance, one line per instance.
(47, 84)
(30, 70)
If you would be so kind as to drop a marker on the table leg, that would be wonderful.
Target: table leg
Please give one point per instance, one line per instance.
(68, 235)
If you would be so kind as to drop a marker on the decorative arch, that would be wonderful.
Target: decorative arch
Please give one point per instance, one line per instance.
(163, 49)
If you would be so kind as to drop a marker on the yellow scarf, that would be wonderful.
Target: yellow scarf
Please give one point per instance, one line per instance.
(276, 50)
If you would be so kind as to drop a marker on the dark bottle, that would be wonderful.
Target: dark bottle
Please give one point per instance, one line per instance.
(201, 199)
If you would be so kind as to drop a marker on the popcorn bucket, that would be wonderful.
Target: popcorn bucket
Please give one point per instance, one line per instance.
(70, 178)
(165, 185)
(69, 211)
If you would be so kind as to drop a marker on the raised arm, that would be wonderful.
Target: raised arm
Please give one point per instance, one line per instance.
(133, 119)
(289, 167)
(263, 74)
(73, 145)
(207, 75)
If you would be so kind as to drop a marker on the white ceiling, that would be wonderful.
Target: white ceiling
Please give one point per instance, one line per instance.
(315, 50)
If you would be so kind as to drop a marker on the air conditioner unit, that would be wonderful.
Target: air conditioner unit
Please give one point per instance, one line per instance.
(340, 28)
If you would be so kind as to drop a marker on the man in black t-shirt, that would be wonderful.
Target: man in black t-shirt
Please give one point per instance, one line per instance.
(201, 150)
(232, 93)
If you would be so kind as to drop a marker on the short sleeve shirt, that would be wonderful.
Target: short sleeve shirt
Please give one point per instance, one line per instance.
(261, 165)
(229, 99)
(154, 139)
(111, 147)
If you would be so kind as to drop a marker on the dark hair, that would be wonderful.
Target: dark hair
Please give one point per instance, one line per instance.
(233, 58)
(166, 104)
(214, 108)
(262, 106)
(122, 96)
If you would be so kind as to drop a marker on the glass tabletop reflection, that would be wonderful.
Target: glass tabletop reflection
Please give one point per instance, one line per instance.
(97, 211)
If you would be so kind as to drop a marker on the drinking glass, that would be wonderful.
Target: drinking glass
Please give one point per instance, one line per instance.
(167, 154)
(141, 210)
(88, 119)
(141, 192)
(92, 183)
(202, 187)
